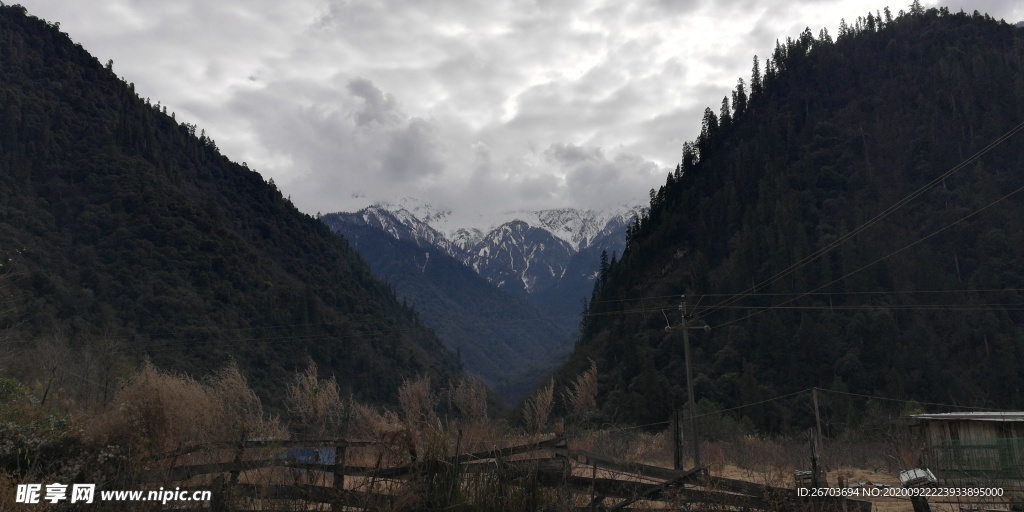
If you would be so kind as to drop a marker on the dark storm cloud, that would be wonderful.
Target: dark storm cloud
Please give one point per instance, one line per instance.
(413, 150)
(570, 154)
(359, 142)
(377, 106)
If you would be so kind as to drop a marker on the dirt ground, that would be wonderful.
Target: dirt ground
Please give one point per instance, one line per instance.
(868, 478)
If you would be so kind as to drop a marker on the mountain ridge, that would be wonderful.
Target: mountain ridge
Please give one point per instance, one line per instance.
(123, 224)
(521, 260)
(525, 251)
(498, 335)
(921, 307)
(576, 226)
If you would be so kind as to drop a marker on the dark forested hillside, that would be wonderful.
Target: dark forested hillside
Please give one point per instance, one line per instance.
(116, 221)
(498, 335)
(786, 227)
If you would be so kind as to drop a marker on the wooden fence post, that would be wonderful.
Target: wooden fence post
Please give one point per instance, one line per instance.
(677, 441)
(453, 492)
(340, 454)
(238, 459)
(217, 498)
(817, 473)
(229, 488)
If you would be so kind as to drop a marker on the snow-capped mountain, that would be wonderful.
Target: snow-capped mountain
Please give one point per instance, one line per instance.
(466, 238)
(550, 255)
(516, 256)
(580, 228)
(401, 224)
(500, 335)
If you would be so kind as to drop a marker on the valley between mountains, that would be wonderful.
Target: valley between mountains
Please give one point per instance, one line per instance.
(840, 249)
(506, 298)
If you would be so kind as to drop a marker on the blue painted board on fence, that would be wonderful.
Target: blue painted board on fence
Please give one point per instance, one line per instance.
(312, 455)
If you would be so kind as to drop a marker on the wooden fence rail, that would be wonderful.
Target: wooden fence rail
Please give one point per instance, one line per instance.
(547, 464)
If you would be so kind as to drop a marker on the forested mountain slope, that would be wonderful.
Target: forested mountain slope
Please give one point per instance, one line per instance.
(497, 335)
(118, 222)
(777, 226)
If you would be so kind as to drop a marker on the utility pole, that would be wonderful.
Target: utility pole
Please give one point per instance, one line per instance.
(689, 380)
(817, 417)
(816, 446)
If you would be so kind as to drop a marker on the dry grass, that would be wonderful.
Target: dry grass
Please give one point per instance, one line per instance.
(537, 410)
(469, 398)
(757, 460)
(763, 461)
(66, 377)
(157, 411)
(315, 404)
(581, 397)
(417, 402)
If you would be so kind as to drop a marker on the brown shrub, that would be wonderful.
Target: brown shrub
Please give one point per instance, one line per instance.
(581, 397)
(469, 397)
(239, 411)
(417, 402)
(537, 409)
(65, 377)
(316, 404)
(157, 411)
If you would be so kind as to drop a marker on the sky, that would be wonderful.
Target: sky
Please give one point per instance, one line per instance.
(478, 107)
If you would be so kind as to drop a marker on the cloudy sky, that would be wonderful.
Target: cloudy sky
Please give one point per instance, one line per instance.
(477, 106)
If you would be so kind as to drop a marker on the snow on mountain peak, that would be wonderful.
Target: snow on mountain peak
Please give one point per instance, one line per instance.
(577, 227)
(404, 224)
(527, 251)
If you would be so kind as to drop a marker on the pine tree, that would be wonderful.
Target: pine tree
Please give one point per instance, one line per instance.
(755, 80)
(725, 113)
(708, 131)
(603, 275)
(691, 156)
(823, 36)
(739, 99)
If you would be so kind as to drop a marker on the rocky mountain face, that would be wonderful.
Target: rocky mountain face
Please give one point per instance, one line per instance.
(498, 335)
(505, 299)
(550, 256)
(516, 256)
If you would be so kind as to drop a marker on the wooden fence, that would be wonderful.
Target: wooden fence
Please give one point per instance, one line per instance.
(358, 475)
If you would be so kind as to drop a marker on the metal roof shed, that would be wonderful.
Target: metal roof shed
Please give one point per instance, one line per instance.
(973, 448)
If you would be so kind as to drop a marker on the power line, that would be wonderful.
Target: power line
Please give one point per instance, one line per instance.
(776, 294)
(668, 306)
(877, 218)
(879, 292)
(912, 244)
(875, 397)
(751, 404)
(907, 307)
(1015, 306)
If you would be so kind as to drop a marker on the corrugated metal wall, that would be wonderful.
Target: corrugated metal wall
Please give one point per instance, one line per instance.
(976, 452)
